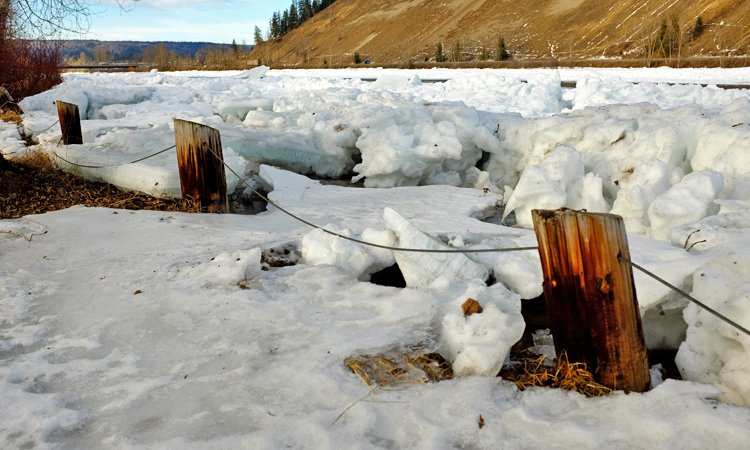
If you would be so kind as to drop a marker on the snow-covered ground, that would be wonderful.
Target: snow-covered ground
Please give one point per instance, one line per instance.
(125, 329)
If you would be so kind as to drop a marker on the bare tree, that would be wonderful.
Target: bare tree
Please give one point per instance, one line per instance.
(44, 18)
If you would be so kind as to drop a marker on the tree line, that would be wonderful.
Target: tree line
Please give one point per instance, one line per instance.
(282, 22)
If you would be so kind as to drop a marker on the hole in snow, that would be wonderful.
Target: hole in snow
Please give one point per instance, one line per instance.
(282, 256)
(390, 276)
(244, 201)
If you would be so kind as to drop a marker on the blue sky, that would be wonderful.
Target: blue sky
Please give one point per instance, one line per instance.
(217, 21)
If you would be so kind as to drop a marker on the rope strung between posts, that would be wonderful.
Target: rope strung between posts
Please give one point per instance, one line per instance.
(359, 241)
(87, 166)
(686, 295)
(41, 131)
(422, 250)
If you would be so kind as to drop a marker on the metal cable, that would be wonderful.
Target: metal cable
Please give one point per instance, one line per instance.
(686, 295)
(422, 250)
(359, 241)
(42, 131)
(112, 165)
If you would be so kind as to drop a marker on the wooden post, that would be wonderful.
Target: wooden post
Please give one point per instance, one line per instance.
(590, 295)
(200, 161)
(70, 123)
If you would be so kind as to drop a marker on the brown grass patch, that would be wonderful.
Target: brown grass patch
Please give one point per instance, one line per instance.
(33, 185)
(380, 370)
(531, 371)
(10, 116)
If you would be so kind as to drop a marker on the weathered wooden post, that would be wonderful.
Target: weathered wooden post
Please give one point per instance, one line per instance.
(201, 167)
(590, 295)
(70, 123)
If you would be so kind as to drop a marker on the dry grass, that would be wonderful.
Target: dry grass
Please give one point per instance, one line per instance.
(532, 371)
(538, 34)
(380, 370)
(384, 371)
(10, 116)
(33, 185)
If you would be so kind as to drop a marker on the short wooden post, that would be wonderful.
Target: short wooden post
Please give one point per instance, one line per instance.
(590, 295)
(201, 167)
(70, 123)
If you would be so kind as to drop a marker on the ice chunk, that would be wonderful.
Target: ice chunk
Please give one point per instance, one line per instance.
(638, 188)
(420, 269)
(519, 271)
(715, 352)
(227, 268)
(479, 343)
(253, 74)
(10, 139)
(558, 181)
(688, 201)
(319, 247)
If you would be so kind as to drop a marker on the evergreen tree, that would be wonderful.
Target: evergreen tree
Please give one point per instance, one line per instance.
(275, 25)
(293, 17)
(258, 35)
(439, 55)
(456, 54)
(698, 28)
(303, 10)
(285, 23)
(502, 51)
(299, 11)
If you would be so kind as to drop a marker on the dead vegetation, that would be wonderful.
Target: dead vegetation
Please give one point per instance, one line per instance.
(399, 33)
(572, 376)
(528, 370)
(33, 185)
(381, 370)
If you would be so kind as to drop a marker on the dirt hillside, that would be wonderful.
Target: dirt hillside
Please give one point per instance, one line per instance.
(408, 31)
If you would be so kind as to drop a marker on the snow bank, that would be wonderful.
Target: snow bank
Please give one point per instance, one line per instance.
(626, 143)
(626, 156)
(715, 352)
(10, 140)
(479, 344)
(421, 269)
(102, 340)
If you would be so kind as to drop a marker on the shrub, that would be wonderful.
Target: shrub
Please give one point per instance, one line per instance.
(698, 27)
(456, 54)
(357, 58)
(485, 54)
(502, 51)
(668, 39)
(439, 55)
(29, 67)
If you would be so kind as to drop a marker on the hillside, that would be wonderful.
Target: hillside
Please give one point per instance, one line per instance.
(133, 50)
(407, 31)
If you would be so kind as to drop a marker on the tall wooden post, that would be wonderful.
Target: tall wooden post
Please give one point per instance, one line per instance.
(590, 295)
(201, 167)
(70, 123)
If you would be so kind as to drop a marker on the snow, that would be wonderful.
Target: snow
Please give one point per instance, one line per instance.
(138, 329)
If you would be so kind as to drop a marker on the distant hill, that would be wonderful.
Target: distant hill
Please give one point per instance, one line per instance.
(131, 50)
(408, 31)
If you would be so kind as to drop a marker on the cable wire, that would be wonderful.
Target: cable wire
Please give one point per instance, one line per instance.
(359, 241)
(41, 131)
(423, 250)
(686, 295)
(87, 166)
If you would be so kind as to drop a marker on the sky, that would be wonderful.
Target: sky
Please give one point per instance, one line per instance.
(219, 21)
